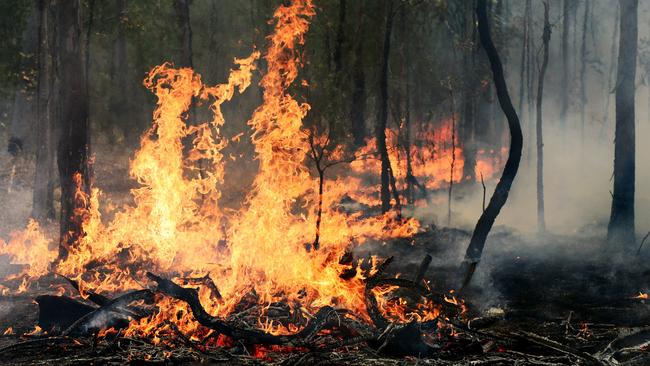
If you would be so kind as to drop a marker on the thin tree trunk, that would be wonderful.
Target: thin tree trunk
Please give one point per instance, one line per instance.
(340, 34)
(182, 8)
(120, 73)
(383, 114)
(564, 100)
(546, 37)
(583, 73)
(620, 231)
(453, 158)
(358, 105)
(73, 124)
(470, 89)
(500, 195)
(530, 77)
(610, 74)
(43, 194)
(523, 68)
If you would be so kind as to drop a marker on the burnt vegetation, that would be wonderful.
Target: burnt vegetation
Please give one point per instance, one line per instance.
(328, 182)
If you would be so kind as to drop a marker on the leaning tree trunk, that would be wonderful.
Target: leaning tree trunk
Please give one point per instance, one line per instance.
(73, 123)
(500, 195)
(546, 37)
(620, 231)
(386, 170)
(43, 194)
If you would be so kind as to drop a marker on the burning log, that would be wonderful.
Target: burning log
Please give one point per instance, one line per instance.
(60, 312)
(320, 321)
(115, 313)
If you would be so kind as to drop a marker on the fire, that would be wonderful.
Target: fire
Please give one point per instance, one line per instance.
(431, 157)
(174, 224)
(29, 247)
(642, 296)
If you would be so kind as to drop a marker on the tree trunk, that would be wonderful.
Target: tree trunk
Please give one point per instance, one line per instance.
(43, 195)
(620, 231)
(383, 113)
(120, 74)
(523, 72)
(564, 99)
(470, 90)
(500, 195)
(546, 37)
(182, 8)
(610, 74)
(74, 140)
(358, 107)
(583, 73)
(340, 34)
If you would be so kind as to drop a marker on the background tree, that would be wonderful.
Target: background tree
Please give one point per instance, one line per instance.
(546, 38)
(45, 174)
(620, 231)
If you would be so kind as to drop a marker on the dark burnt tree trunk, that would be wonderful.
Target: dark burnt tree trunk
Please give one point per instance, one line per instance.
(546, 38)
(620, 231)
(610, 74)
(583, 73)
(564, 99)
(43, 195)
(500, 195)
(74, 140)
(182, 8)
(386, 170)
(119, 100)
(358, 107)
(470, 91)
(340, 35)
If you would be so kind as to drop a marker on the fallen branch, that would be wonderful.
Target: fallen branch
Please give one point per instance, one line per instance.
(320, 321)
(114, 313)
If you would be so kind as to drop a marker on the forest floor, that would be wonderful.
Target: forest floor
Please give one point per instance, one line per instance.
(564, 300)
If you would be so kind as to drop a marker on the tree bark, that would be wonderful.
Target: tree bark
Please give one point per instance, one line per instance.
(383, 113)
(583, 73)
(182, 8)
(500, 195)
(546, 37)
(620, 231)
(610, 73)
(470, 90)
(340, 34)
(43, 194)
(119, 100)
(74, 139)
(564, 100)
(358, 107)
